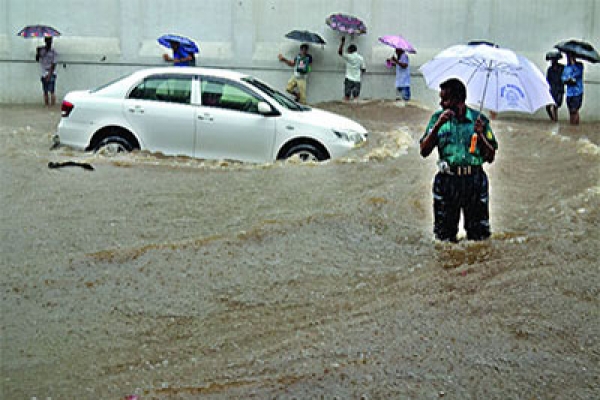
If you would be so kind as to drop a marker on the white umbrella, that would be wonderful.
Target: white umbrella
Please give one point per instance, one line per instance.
(496, 78)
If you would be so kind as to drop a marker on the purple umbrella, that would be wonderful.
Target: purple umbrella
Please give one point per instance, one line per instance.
(398, 42)
(37, 31)
(346, 24)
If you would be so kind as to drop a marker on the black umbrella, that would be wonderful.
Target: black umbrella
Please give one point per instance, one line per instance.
(553, 55)
(580, 49)
(478, 42)
(306, 37)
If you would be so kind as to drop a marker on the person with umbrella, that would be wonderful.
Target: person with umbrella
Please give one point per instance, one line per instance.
(557, 87)
(181, 57)
(46, 57)
(302, 66)
(465, 141)
(400, 60)
(572, 76)
(573, 72)
(355, 67)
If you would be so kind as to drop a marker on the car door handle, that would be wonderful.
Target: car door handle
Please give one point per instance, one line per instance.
(206, 117)
(136, 109)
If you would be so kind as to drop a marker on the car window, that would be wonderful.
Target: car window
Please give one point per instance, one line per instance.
(102, 87)
(171, 89)
(226, 94)
(279, 97)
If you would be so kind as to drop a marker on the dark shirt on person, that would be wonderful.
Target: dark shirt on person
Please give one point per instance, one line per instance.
(554, 78)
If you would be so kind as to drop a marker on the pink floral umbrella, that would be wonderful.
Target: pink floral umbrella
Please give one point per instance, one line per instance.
(346, 24)
(398, 42)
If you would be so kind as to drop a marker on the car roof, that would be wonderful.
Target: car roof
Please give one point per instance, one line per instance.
(220, 73)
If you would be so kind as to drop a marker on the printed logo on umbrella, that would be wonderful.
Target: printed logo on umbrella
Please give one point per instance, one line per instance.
(513, 94)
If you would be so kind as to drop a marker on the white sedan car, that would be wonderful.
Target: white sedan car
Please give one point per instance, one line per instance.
(202, 113)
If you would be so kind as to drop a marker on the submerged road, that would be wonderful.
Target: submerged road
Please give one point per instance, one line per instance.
(175, 278)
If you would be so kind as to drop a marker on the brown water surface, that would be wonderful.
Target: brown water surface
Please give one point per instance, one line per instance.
(176, 278)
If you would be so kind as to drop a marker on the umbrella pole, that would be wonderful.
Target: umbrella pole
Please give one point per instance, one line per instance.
(473, 146)
(487, 81)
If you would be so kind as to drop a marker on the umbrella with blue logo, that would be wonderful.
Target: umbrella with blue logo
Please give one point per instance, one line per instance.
(496, 78)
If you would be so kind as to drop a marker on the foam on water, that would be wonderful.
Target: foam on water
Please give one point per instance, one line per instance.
(585, 146)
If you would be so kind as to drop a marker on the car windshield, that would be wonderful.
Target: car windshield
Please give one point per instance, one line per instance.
(279, 97)
(99, 88)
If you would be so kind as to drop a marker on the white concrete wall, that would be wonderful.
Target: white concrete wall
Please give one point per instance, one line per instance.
(248, 35)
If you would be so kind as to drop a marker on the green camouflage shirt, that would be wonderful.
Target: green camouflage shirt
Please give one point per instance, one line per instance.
(454, 139)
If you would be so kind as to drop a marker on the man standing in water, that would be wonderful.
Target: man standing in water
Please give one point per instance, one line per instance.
(302, 65)
(400, 60)
(46, 56)
(465, 141)
(355, 67)
(557, 87)
(573, 77)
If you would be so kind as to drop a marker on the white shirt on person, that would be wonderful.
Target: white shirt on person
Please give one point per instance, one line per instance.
(354, 64)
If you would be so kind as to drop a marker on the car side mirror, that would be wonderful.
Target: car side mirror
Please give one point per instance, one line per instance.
(264, 108)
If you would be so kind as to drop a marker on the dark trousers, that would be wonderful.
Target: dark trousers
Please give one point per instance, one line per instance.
(469, 193)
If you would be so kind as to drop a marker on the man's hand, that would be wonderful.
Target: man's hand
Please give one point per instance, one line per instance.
(290, 63)
(479, 126)
(430, 141)
(488, 151)
(166, 57)
(444, 117)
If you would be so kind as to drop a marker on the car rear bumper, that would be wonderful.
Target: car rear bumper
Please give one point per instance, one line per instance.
(72, 134)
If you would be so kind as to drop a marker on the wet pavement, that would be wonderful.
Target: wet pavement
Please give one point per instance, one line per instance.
(176, 278)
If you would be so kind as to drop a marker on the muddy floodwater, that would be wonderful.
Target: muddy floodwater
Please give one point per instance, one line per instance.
(175, 278)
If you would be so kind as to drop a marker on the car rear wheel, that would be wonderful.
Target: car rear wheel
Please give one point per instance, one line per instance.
(113, 145)
(306, 152)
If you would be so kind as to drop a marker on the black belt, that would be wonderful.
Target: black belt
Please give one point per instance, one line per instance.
(465, 170)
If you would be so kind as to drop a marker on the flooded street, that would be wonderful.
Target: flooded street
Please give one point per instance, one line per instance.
(176, 278)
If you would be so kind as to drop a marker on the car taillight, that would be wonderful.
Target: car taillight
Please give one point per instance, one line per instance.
(66, 108)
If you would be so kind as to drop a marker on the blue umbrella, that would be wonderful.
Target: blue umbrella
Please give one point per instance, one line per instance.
(187, 44)
(38, 31)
